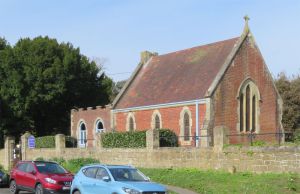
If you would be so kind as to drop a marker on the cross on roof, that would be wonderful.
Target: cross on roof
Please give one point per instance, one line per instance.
(246, 18)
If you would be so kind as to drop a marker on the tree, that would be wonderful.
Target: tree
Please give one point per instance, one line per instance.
(41, 80)
(289, 90)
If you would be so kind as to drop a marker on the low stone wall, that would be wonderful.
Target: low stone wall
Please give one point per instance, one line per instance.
(252, 159)
(2, 157)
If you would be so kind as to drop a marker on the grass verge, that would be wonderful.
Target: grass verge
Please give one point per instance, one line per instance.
(223, 182)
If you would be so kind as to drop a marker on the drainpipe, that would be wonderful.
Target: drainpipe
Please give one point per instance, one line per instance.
(197, 123)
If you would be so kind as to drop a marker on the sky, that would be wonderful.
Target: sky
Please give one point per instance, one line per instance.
(117, 31)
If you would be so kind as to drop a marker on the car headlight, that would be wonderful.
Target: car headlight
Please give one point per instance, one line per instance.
(130, 191)
(50, 180)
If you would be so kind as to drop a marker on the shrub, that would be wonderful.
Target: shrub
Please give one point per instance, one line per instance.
(258, 143)
(45, 142)
(40, 159)
(71, 142)
(74, 165)
(60, 161)
(135, 139)
(167, 138)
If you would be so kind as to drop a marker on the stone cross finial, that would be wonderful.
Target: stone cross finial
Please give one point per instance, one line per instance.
(246, 18)
(246, 28)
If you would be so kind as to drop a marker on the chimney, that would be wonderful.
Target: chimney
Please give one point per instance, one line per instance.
(146, 55)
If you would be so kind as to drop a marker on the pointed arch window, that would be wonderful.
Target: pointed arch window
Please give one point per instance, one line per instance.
(99, 127)
(157, 122)
(186, 122)
(131, 124)
(249, 98)
(82, 134)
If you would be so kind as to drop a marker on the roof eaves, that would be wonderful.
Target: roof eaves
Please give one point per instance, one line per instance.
(128, 82)
(227, 63)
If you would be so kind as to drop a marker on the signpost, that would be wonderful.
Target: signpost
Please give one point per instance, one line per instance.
(31, 142)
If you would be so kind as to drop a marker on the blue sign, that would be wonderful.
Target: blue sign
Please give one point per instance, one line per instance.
(31, 142)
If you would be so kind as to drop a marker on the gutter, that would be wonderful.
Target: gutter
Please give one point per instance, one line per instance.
(172, 104)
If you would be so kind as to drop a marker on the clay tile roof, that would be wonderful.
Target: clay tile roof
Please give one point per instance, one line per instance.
(175, 77)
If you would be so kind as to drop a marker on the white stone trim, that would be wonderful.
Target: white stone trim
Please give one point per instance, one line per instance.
(130, 115)
(164, 105)
(254, 91)
(156, 112)
(78, 134)
(184, 110)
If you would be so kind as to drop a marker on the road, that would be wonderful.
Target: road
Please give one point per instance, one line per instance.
(6, 191)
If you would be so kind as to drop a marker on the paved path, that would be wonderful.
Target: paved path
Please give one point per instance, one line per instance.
(172, 188)
(6, 191)
(179, 190)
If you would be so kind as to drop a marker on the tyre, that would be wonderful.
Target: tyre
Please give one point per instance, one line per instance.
(39, 189)
(13, 187)
(77, 192)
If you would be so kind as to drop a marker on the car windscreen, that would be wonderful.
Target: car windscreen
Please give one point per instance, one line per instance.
(127, 174)
(50, 168)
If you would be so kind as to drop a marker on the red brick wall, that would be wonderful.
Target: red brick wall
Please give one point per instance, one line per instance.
(89, 116)
(247, 63)
(170, 117)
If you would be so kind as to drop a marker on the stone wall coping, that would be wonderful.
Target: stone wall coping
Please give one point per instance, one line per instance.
(263, 149)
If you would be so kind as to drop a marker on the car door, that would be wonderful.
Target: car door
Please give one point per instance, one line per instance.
(100, 185)
(20, 173)
(30, 177)
(87, 181)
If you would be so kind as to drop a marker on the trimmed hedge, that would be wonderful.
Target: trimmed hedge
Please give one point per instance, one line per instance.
(135, 139)
(167, 138)
(45, 142)
(74, 165)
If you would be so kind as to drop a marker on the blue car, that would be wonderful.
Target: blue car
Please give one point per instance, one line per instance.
(112, 179)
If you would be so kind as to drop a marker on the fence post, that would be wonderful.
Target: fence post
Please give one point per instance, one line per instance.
(60, 142)
(220, 137)
(24, 144)
(98, 141)
(152, 139)
(9, 146)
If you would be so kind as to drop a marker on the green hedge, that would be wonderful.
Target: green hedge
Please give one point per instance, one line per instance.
(167, 138)
(74, 165)
(135, 139)
(45, 142)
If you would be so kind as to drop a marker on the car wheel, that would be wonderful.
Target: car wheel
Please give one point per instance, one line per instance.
(77, 192)
(13, 187)
(39, 189)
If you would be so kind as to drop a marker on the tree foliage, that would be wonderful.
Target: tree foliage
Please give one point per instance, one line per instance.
(41, 80)
(289, 89)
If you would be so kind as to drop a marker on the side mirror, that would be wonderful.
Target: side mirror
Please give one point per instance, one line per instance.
(106, 178)
(33, 172)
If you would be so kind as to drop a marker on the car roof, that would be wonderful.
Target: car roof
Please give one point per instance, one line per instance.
(35, 161)
(108, 166)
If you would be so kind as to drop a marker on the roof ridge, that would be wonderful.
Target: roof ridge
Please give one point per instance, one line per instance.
(199, 46)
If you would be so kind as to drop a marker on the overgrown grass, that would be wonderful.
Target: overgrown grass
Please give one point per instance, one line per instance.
(223, 182)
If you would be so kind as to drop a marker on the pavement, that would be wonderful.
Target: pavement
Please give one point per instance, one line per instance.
(6, 191)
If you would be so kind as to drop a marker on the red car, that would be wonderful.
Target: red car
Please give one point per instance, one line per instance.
(41, 177)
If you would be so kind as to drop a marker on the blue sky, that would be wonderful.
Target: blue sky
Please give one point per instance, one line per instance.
(118, 30)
